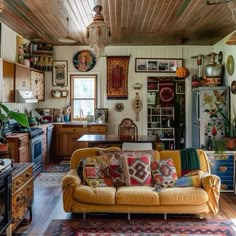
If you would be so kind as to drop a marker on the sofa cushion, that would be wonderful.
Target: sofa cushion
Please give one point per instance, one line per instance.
(101, 195)
(137, 195)
(137, 170)
(183, 196)
(164, 172)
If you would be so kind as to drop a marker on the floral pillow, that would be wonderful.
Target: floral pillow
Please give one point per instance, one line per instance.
(137, 170)
(164, 172)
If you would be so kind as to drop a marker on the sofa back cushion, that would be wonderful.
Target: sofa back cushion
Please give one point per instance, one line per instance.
(176, 157)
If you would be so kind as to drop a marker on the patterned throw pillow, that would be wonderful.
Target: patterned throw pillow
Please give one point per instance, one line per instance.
(164, 172)
(137, 170)
(92, 173)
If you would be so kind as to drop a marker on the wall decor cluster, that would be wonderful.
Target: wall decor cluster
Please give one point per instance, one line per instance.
(84, 60)
(157, 65)
(117, 77)
(60, 73)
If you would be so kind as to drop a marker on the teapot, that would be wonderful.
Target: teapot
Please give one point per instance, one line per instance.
(56, 94)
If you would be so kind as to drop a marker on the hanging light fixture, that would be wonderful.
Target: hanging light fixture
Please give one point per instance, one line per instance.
(98, 32)
(67, 38)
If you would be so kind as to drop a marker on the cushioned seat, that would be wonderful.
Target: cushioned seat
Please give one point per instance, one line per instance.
(183, 196)
(137, 195)
(101, 195)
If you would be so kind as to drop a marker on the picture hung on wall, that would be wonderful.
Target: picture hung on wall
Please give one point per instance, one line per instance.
(117, 77)
(157, 65)
(180, 87)
(84, 60)
(60, 73)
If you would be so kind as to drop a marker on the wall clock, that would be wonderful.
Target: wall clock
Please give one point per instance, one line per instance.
(84, 60)
(230, 65)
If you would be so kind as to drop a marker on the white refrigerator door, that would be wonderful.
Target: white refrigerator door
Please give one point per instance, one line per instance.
(210, 120)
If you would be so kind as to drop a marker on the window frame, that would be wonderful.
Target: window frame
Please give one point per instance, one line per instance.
(72, 99)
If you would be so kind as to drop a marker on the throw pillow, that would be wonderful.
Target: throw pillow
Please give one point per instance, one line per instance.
(92, 175)
(137, 170)
(188, 181)
(164, 172)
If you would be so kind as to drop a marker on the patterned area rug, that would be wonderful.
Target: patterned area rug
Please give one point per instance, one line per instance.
(61, 167)
(144, 226)
(48, 179)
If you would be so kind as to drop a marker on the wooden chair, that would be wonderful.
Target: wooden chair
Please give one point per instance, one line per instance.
(127, 130)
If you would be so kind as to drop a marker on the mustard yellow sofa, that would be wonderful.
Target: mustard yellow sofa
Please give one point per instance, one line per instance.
(202, 201)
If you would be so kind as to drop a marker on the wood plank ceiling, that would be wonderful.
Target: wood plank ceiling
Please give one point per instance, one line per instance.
(132, 22)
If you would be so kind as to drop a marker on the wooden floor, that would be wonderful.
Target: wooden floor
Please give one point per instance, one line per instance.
(47, 205)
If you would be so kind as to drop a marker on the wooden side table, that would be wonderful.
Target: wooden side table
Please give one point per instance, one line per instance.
(22, 193)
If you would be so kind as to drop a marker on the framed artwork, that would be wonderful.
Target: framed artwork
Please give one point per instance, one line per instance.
(101, 112)
(84, 60)
(60, 73)
(151, 98)
(117, 77)
(180, 87)
(157, 65)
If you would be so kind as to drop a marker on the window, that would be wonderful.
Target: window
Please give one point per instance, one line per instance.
(83, 95)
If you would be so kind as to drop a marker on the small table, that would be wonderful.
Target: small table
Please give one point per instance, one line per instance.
(108, 140)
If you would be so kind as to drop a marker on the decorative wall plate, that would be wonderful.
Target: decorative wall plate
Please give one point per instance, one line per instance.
(230, 65)
(119, 107)
(167, 94)
(84, 60)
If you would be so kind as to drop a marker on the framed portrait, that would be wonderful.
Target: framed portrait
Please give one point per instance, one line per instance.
(180, 87)
(101, 112)
(60, 73)
(84, 60)
(157, 65)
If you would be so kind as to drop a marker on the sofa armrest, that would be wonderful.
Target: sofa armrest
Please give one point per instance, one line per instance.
(69, 183)
(212, 185)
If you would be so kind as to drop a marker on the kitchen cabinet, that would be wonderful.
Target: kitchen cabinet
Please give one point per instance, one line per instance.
(65, 137)
(22, 193)
(7, 73)
(22, 77)
(37, 79)
(19, 146)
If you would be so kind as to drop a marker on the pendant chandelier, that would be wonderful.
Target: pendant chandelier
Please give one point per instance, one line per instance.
(98, 32)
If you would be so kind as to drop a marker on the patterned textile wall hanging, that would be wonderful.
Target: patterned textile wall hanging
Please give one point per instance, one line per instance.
(117, 77)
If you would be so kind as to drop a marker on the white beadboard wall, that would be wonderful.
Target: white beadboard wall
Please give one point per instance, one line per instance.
(185, 52)
(8, 51)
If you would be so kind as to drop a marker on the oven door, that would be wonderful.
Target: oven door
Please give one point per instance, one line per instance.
(37, 149)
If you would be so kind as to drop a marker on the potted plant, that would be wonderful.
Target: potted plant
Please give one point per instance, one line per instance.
(5, 115)
(229, 128)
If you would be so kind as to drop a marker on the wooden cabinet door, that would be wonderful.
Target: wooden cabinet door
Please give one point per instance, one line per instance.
(8, 82)
(22, 77)
(64, 144)
(37, 79)
(24, 154)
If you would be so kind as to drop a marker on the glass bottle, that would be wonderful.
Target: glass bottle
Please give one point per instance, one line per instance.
(209, 143)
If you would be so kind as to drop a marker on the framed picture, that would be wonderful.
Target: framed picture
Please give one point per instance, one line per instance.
(180, 87)
(60, 73)
(84, 60)
(157, 65)
(101, 112)
(151, 98)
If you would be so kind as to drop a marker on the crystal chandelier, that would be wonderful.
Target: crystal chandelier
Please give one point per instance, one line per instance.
(98, 32)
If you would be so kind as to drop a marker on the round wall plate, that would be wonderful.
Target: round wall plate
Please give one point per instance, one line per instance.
(84, 60)
(230, 65)
(119, 107)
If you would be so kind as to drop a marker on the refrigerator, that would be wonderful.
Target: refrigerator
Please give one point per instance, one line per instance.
(207, 122)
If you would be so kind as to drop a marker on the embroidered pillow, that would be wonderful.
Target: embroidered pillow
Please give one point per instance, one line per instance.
(137, 170)
(92, 174)
(164, 172)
